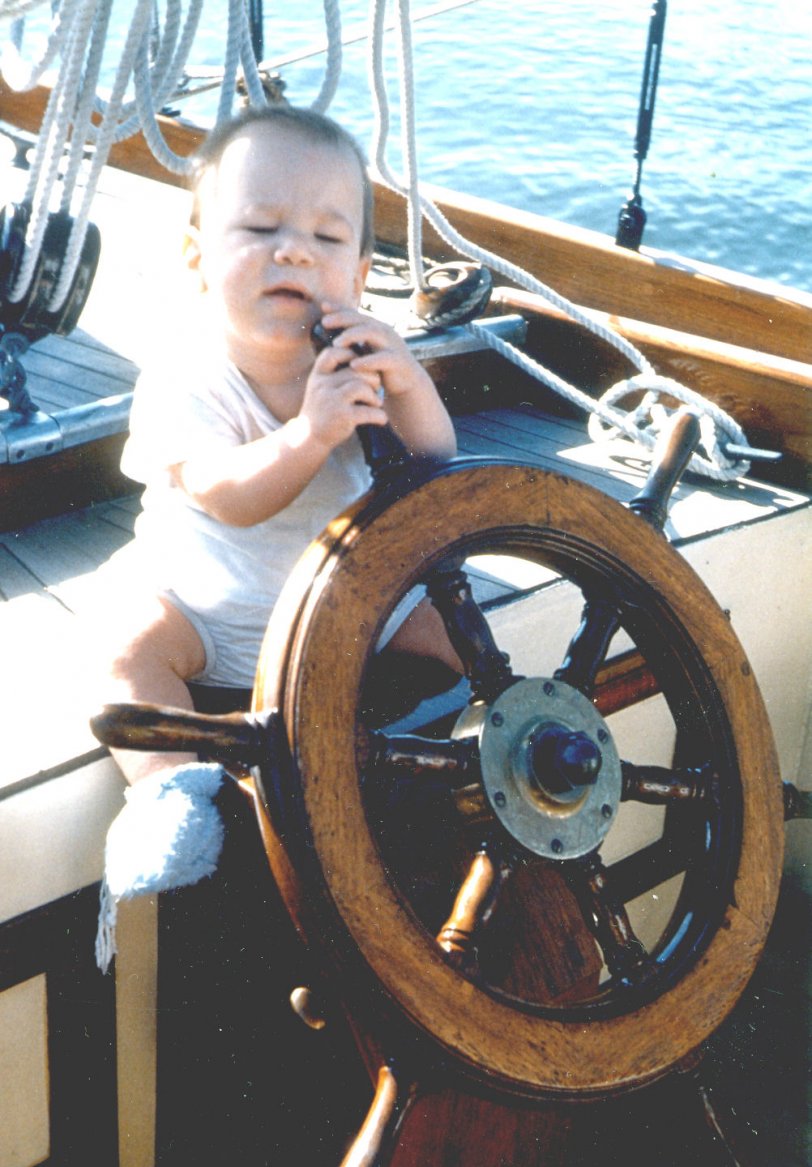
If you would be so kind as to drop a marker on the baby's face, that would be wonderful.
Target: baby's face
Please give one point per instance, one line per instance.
(280, 231)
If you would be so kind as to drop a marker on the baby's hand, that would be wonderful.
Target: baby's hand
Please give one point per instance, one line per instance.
(338, 397)
(379, 351)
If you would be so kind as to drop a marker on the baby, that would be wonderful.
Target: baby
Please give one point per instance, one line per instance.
(247, 444)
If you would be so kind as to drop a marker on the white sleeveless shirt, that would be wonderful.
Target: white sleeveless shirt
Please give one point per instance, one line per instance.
(230, 577)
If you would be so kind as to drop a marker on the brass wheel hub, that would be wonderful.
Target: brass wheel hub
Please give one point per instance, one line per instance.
(550, 768)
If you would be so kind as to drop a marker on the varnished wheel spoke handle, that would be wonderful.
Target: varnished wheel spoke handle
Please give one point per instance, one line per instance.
(139, 726)
(599, 622)
(671, 456)
(472, 904)
(587, 650)
(457, 760)
(606, 917)
(658, 785)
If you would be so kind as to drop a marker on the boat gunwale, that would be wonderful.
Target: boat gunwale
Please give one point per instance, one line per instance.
(672, 289)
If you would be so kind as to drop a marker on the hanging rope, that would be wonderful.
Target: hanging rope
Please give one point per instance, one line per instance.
(152, 63)
(332, 72)
(642, 423)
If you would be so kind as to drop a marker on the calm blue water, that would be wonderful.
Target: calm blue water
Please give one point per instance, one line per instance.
(534, 103)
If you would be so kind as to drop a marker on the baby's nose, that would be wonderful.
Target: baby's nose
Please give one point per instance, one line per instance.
(291, 247)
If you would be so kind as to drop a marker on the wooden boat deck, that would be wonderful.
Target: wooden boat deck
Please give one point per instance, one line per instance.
(46, 568)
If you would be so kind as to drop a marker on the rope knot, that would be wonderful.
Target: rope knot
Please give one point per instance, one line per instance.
(659, 397)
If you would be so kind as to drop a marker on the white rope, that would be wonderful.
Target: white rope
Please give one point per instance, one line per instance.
(380, 133)
(138, 34)
(713, 421)
(332, 71)
(86, 99)
(20, 75)
(161, 87)
(15, 9)
(78, 34)
(409, 142)
(632, 423)
(51, 142)
(250, 71)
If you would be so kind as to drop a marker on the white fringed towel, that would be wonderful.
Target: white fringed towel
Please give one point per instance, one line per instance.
(168, 835)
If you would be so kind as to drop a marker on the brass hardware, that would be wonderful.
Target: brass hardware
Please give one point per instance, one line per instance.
(305, 1006)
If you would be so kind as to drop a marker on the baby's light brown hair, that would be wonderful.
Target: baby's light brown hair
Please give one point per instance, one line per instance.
(313, 126)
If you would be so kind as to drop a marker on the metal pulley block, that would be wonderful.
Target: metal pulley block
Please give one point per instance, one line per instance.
(452, 294)
(32, 315)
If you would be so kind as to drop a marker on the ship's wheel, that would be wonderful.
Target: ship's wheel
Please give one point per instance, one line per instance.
(421, 911)
(485, 904)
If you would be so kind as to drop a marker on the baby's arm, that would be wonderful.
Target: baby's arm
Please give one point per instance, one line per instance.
(412, 403)
(246, 484)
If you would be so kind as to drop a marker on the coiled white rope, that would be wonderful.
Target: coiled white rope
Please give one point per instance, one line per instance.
(644, 423)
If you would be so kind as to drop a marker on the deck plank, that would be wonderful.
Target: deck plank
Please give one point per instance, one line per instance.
(118, 516)
(15, 578)
(54, 551)
(480, 435)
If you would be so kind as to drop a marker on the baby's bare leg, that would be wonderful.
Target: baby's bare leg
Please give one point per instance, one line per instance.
(423, 633)
(151, 650)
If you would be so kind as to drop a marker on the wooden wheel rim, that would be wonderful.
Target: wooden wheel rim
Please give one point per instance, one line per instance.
(340, 600)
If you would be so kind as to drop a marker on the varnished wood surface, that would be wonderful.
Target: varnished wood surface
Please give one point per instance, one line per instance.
(317, 690)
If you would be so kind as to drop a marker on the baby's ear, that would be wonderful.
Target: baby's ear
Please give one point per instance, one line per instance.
(192, 254)
(362, 274)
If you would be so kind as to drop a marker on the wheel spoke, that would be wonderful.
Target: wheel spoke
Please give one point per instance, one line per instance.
(405, 757)
(408, 752)
(607, 919)
(660, 786)
(473, 905)
(587, 649)
(623, 680)
(649, 867)
(486, 668)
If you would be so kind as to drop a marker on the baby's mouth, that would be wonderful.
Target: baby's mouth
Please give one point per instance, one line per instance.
(287, 293)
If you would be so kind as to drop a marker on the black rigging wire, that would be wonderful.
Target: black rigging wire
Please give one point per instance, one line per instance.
(255, 21)
(632, 218)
